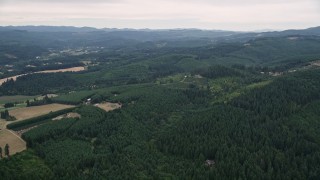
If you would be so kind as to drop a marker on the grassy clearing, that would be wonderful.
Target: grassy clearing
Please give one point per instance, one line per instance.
(28, 123)
(73, 97)
(34, 111)
(48, 95)
(17, 106)
(259, 84)
(107, 106)
(20, 101)
(171, 79)
(17, 98)
(225, 84)
(182, 81)
(234, 89)
(9, 137)
(16, 144)
(114, 94)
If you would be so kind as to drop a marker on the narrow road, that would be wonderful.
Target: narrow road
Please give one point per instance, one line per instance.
(15, 142)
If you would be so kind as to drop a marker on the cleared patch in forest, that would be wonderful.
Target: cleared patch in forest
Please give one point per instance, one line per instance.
(68, 115)
(315, 63)
(107, 106)
(12, 77)
(20, 132)
(17, 98)
(73, 69)
(34, 111)
(16, 144)
(48, 95)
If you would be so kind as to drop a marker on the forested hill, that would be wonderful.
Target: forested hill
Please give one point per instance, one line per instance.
(186, 104)
(23, 46)
(268, 132)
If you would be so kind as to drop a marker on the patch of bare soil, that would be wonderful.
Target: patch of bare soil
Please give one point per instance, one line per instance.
(20, 132)
(12, 77)
(198, 76)
(107, 106)
(73, 69)
(315, 63)
(68, 115)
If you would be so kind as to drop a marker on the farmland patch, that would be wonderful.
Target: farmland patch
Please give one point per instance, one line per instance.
(107, 106)
(34, 111)
(16, 144)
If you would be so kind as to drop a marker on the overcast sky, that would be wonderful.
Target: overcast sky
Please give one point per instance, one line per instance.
(164, 14)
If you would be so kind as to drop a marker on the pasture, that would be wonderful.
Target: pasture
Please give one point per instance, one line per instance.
(17, 98)
(34, 111)
(73, 97)
(16, 144)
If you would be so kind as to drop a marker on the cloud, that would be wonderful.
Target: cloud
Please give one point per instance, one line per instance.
(62, 1)
(239, 2)
(208, 14)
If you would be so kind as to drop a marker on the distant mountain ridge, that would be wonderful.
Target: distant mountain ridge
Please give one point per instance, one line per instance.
(49, 28)
(160, 34)
(90, 29)
(132, 34)
(21, 38)
(304, 32)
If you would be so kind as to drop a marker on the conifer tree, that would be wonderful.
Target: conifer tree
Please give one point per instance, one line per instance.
(6, 150)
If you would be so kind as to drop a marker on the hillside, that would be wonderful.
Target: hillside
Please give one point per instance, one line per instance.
(172, 104)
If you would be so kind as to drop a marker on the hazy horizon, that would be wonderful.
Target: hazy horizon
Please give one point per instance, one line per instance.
(247, 15)
(160, 29)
